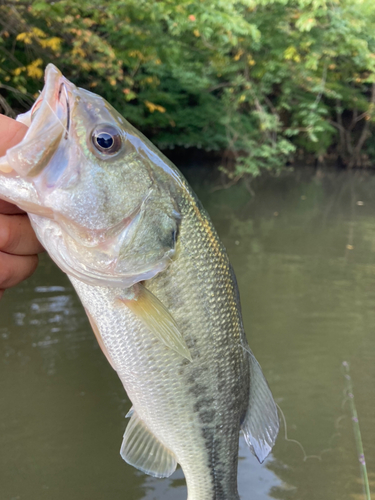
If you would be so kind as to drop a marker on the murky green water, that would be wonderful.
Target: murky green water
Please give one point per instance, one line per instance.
(304, 252)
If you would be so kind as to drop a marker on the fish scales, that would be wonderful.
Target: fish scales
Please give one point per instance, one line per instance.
(155, 281)
(204, 395)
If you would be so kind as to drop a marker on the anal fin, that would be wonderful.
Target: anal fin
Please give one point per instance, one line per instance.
(144, 451)
(261, 424)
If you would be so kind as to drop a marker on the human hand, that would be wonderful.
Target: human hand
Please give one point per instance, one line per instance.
(18, 244)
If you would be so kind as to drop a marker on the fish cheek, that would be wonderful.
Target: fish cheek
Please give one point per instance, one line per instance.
(126, 181)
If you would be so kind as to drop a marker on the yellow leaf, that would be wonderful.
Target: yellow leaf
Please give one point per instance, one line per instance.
(154, 107)
(33, 69)
(53, 43)
(78, 51)
(290, 52)
(196, 33)
(38, 32)
(250, 61)
(24, 37)
(238, 55)
(18, 71)
(161, 109)
(136, 53)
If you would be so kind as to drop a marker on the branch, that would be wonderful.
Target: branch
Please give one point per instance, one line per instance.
(365, 131)
(220, 86)
(323, 84)
(8, 111)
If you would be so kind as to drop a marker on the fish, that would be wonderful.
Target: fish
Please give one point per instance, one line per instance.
(155, 281)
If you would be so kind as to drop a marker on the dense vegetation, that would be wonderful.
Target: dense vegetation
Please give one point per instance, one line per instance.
(262, 80)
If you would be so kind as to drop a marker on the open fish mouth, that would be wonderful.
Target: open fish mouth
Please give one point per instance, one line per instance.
(64, 91)
(48, 121)
(62, 94)
(54, 100)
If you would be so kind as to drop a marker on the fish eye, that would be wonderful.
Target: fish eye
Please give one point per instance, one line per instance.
(106, 139)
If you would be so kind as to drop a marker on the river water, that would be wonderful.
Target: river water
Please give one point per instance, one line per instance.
(303, 249)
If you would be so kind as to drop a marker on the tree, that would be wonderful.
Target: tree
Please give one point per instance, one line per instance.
(258, 79)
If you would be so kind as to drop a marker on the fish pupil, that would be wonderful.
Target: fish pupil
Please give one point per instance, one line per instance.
(104, 140)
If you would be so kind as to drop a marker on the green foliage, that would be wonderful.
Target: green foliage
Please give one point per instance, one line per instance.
(255, 78)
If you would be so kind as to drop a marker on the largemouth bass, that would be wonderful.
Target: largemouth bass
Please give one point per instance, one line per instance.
(155, 281)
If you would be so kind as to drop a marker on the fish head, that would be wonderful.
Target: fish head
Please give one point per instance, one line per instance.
(101, 197)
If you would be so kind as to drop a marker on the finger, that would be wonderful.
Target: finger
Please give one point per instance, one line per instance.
(9, 208)
(11, 133)
(15, 268)
(17, 236)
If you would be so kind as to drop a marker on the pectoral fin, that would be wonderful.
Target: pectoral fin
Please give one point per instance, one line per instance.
(261, 424)
(156, 317)
(144, 451)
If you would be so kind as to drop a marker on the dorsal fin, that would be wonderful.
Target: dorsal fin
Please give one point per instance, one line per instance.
(261, 424)
(144, 451)
(156, 317)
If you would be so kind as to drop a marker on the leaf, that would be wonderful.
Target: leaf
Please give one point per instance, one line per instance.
(154, 107)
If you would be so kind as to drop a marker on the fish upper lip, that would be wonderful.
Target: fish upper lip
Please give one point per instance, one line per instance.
(49, 121)
(55, 92)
